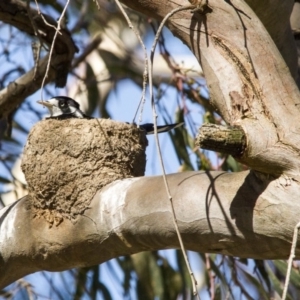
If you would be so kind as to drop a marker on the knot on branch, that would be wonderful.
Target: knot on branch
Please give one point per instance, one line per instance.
(224, 139)
(66, 162)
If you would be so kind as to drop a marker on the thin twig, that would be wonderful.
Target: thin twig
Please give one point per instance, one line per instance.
(145, 74)
(290, 262)
(187, 7)
(42, 16)
(57, 31)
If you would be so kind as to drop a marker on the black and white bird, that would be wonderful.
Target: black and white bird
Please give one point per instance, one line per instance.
(62, 107)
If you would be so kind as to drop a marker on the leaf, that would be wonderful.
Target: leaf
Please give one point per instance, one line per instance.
(4, 180)
(180, 139)
(276, 283)
(216, 269)
(148, 285)
(104, 290)
(127, 267)
(282, 267)
(230, 164)
(187, 285)
(259, 287)
(20, 127)
(260, 265)
(173, 281)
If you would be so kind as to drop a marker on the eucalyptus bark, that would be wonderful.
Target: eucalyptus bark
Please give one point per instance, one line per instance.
(249, 82)
(219, 138)
(240, 214)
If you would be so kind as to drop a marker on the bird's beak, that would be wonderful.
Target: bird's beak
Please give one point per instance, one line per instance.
(45, 103)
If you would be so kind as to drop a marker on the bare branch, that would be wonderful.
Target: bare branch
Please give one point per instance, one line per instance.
(57, 31)
(145, 73)
(15, 13)
(162, 24)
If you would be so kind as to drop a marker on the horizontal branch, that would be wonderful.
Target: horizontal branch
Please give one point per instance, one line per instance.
(24, 86)
(240, 214)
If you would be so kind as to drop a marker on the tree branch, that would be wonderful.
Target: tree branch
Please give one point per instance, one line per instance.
(224, 139)
(246, 218)
(15, 13)
(249, 82)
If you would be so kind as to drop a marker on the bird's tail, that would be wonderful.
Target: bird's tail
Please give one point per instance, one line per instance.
(149, 127)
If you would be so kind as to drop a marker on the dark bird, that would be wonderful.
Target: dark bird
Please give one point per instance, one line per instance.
(63, 107)
(149, 127)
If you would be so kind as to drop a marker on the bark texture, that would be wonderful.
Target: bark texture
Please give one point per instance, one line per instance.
(250, 83)
(225, 139)
(241, 214)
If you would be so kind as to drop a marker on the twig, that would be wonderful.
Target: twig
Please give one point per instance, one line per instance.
(42, 16)
(290, 262)
(57, 30)
(187, 7)
(145, 74)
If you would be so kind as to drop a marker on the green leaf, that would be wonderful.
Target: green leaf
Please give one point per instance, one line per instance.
(127, 267)
(282, 267)
(104, 290)
(180, 140)
(230, 164)
(187, 284)
(225, 286)
(276, 283)
(149, 283)
(256, 283)
(20, 127)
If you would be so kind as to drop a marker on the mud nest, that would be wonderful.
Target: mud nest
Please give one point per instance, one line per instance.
(66, 162)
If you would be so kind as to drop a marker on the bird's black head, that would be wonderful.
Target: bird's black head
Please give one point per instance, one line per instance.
(65, 102)
(63, 107)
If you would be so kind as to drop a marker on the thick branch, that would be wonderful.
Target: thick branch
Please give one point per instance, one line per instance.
(250, 84)
(236, 214)
(275, 15)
